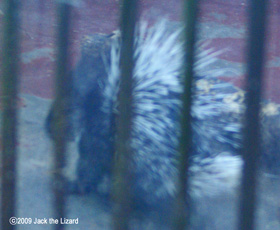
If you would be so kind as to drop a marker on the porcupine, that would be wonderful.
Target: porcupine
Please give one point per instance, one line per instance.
(216, 118)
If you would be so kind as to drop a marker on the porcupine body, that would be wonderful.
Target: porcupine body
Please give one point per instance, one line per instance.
(216, 119)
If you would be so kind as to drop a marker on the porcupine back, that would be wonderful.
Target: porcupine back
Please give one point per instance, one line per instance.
(156, 108)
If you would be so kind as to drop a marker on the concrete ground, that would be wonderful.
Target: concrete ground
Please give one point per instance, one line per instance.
(223, 25)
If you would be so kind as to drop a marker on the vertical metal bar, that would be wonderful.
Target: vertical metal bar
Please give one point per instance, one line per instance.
(251, 149)
(62, 99)
(121, 192)
(10, 58)
(182, 212)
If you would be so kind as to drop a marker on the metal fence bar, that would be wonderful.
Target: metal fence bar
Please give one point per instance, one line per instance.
(121, 192)
(62, 99)
(182, 213)
(251, 149)
(10, 58)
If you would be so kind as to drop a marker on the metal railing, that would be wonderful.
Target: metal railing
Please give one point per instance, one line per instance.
(251, 140)
(9, 81)
(123, 152)
(61, 103)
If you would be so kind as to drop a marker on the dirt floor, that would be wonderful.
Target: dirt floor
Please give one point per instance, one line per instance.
(35, 196)
(223, 25)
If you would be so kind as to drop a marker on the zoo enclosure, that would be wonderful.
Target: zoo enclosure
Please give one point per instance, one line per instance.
(10, 57)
